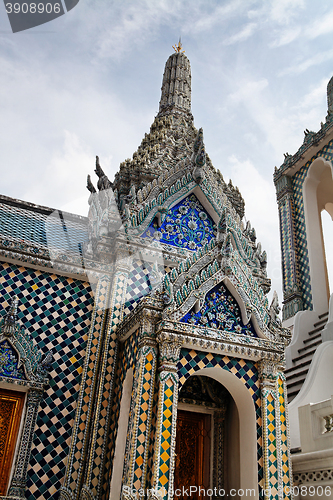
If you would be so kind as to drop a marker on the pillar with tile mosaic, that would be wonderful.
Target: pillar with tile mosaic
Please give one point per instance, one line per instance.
(276, 447)
(291, 285)
(96, 456)
(85, 404)
(164, 453)
(135, 474)
(290, 180)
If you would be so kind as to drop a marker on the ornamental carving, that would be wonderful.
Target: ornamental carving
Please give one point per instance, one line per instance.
(9, 362)
(186, 225)
(169, 346)
(20, 358)
(220, 311)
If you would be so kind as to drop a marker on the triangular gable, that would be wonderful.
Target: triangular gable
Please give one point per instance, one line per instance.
(9, 362)
(186, 225)
(220, 311)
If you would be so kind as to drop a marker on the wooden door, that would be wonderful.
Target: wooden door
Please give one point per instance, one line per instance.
(192, 453)
(11, 406)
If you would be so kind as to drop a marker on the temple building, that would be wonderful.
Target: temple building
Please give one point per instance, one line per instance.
(139, 354)
(304, 188)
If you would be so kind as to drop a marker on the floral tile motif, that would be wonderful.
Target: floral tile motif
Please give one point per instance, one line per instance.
(186, 225)
(9, 362)
(221, 311)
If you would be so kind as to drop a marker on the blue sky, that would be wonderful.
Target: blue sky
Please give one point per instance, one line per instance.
(89, 84)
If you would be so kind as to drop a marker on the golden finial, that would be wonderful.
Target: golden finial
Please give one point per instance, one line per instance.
(178, 48)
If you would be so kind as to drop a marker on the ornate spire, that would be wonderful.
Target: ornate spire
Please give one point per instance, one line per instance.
(178, 48)
(176, 84)
(330, 97)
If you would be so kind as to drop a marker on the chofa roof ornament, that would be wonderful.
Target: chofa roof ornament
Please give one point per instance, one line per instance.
(8, 325)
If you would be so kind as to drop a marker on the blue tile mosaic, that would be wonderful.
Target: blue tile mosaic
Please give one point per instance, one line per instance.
(9, 362)
(186, 225)
(220, 311)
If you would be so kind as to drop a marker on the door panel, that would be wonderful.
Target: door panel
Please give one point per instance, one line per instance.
(11, 406)
(192, 453)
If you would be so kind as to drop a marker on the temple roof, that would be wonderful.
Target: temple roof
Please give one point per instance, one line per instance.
(23, 221)
(172, 138)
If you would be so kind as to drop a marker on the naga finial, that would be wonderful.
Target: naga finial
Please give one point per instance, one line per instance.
(9, 322)
(178, 48)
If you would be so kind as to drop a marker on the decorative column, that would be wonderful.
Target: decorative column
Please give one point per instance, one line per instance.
(135, 475)
(285, 464)
(218, 464)
(165, 441)
(291, 292)
(86, 402)
(95, 460)
(19, 479)
(267, 372)
(277, 466)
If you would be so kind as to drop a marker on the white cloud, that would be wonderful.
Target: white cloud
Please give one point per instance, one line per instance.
(66, 169)
(221, 13)
(284, 11)
(315, 97)
(262, 210)
(314, 60)
(247, 90)
(242, 35)
(286, 36)
(321, 26)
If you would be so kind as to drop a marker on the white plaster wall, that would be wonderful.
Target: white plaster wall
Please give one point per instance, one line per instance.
(316, 196)
(232, 449)
(317, 387)
(118, 463)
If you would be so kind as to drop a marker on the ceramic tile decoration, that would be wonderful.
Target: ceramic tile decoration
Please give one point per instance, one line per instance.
(178, 289)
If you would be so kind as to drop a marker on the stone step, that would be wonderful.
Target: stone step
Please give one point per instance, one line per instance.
(304, 357)
(316, 330)
(297, 373)
(317, 336)
(297, 384)
(308, 347)
(300, 365)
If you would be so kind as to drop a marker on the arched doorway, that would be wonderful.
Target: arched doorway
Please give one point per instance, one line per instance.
(326, 222)
(216, 440)
(318, 196)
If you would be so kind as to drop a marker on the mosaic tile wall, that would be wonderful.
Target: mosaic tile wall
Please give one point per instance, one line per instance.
(138, 284)
(56, 312)
(192, 361)
(302, 251)
(167, 391)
